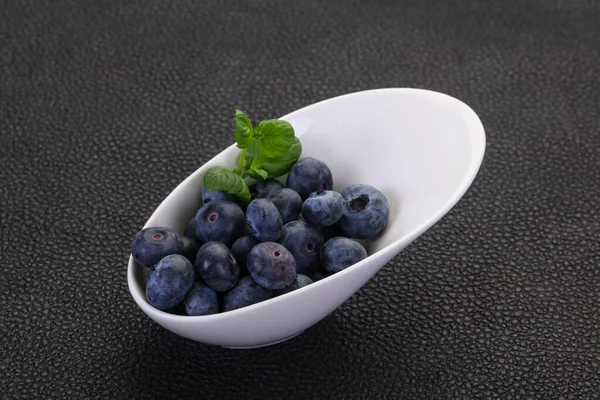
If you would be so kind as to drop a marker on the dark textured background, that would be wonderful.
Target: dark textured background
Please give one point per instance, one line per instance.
(106, 106)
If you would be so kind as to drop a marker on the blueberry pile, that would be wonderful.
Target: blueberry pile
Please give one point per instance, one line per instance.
(286, 238)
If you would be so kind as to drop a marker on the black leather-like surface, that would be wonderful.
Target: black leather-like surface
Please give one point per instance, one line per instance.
(106, 106)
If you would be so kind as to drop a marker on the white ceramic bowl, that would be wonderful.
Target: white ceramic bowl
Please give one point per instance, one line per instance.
(422, 149)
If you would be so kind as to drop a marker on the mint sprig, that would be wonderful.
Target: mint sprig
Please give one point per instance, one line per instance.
(274, 137)
(274, 167)
(243, 130)
(268, 151)
(226, 180)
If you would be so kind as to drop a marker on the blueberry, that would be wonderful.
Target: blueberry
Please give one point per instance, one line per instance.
(271, 265)
(288, 202)
(245, 293)
(190, 230)
(240, 250)
(323, 207)
(265, 189)
(365, 212)
(171, 280)
(150, 245)
(207, 196)
(221, 221)
(217, 266)
(190, 248)
(309, 175)
(300, 281)
(201, 300)
(340, 252)
(264, 220)
(304, 241)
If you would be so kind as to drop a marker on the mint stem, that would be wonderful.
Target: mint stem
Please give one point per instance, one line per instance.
(238, 170)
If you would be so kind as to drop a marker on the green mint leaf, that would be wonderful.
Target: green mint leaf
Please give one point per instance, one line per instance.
(259, 174)
(257, 161)
(275, 137)
(250, 155)
(256, 170)
(243, 130)
(225, 180)
(276, 167)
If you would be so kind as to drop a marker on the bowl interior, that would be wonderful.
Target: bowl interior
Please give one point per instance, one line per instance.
(422, 149)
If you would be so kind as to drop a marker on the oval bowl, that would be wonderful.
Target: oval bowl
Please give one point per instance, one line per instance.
(421, 148)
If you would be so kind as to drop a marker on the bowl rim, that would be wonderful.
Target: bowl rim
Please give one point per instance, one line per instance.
(477, 140)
